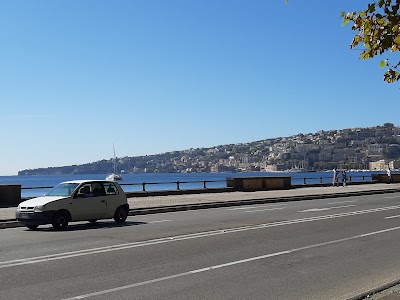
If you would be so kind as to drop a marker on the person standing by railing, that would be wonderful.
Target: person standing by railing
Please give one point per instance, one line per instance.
(335, 178)
(344, 177)
(389, 174)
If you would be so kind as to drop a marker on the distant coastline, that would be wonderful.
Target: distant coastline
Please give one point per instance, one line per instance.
(371, 148)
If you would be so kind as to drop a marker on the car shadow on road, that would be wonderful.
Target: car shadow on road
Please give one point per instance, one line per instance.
(90, 226)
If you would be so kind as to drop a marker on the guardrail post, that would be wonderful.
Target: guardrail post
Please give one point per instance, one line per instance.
(144, 186)
(205, 182)
(177, 186)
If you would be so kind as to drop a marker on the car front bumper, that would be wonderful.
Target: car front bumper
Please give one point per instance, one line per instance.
(35, 218)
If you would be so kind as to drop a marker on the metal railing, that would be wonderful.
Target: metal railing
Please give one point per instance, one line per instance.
(202, 184)
(180, 185)
(329, 179)
(144, 186)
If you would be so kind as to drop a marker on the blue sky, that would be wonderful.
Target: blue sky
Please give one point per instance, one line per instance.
(154, 76)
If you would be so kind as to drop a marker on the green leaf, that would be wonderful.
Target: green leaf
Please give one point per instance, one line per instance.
(365, 55)
(391, 76)
(367, 25)
(383, 63)
(371, 8)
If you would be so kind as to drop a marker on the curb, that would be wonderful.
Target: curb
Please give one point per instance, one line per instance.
(368, 294)
(10, 224)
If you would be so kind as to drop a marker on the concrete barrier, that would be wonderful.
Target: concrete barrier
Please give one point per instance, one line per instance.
(384, 178)
(259, 183)
(10, 195)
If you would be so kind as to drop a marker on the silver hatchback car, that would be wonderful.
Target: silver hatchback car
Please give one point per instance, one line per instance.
(78, 200)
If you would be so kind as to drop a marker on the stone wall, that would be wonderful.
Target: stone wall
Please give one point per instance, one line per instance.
(10, 195)
(259, 183)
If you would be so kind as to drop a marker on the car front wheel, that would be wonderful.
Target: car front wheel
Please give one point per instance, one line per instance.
(121, 214)
(32, 226)
(60, 220)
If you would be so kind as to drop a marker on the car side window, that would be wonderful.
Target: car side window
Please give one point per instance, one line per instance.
(85, 191)
(110, 189)
(97, 189)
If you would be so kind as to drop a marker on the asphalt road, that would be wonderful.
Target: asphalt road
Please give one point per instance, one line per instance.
(318, 249)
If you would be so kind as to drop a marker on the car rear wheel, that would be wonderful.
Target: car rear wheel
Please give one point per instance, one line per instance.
(121, 214)
(60, 220)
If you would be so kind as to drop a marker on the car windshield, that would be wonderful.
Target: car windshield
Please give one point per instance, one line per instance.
(62, 189)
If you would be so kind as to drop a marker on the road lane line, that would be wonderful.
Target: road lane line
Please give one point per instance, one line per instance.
(71, 254)
(160, 221)
(392, 217)
(325, 208)
(257, 210)
(261, 206)
(339, 202)
(232, 263)
(392, 197)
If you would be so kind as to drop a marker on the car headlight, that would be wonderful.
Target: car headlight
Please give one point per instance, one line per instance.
(38, 208)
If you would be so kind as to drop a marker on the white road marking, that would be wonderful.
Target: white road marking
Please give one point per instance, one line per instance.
(392, 197)
(342, 202)
(160, 221)
(257, 210)
(326, 208)
(46, 258)
(392, 217)
(262, 206)
(232, 263)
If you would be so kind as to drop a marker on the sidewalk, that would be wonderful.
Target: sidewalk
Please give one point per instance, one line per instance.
(240, 198)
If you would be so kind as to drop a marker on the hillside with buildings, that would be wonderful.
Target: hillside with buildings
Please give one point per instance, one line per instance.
(371, 148)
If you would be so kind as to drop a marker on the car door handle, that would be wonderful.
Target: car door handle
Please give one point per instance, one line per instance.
(103, 201)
